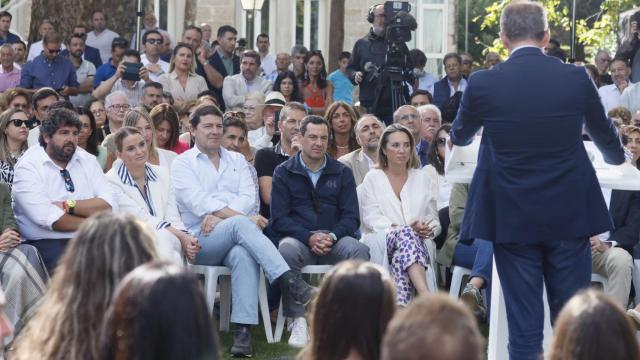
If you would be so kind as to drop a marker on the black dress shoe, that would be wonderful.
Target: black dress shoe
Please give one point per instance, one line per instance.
(242, 343)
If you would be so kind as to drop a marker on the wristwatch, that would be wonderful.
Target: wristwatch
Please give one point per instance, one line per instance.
(69, 206)
(333, 237)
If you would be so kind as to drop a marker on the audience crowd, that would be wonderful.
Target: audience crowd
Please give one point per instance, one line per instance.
(121, 168)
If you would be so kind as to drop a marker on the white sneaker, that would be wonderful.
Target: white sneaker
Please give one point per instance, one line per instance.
(299, 333)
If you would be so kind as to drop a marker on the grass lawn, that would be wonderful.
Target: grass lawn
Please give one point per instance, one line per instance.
(261, 349)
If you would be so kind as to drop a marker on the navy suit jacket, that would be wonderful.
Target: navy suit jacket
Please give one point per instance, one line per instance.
(216, 63)
(441, 92)
(534, 181)
(625, 212)
(90, 54)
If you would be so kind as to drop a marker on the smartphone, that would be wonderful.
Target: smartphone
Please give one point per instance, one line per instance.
(132, 71)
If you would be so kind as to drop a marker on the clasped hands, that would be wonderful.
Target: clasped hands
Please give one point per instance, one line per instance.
(320, 243)
(210, 221)
(422, 228)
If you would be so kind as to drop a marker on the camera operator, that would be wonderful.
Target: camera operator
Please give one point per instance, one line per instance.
(367, 57)
(630, 47)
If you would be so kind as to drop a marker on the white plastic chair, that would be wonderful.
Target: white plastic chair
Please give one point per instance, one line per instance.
(456, 280)
(222, 273)
(309, 269)
(595, 278)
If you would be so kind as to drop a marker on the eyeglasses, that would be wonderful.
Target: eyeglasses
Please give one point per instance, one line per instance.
(68, 183)
(239, 114)
(154, 41)
(123, 107)
(82, 35)
(441, 141)
(20, 122)
(54, 51)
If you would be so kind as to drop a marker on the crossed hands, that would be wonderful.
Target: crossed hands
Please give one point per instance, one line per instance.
(320, 243)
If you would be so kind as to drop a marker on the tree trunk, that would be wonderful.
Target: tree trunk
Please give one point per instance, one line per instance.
(336, 33)
(64, 14)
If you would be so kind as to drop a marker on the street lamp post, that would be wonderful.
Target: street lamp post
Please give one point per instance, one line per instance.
(250, 6)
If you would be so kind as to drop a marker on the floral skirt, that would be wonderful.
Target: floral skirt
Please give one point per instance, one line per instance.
(405, 248)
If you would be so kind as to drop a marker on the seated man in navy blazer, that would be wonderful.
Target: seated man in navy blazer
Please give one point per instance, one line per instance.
(452, 82)
(534, 191)
(612, 250)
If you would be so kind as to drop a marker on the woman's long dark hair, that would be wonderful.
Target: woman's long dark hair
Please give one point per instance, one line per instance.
(159, 312)
(166, 112)
(353, 113)
(92, 141)
(288, 74)
(322, 77)
(432, 152)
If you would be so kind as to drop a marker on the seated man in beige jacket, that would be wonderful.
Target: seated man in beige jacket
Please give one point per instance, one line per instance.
(368, 131)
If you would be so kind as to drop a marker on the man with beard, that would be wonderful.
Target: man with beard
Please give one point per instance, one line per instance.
(368, 131)
(57, 185)
(85, 70)
(151, 95)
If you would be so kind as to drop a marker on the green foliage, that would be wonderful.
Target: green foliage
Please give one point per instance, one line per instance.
(596, 31)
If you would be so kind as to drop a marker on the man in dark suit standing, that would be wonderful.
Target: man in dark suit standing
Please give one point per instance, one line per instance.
(223, 61)
(534, 191)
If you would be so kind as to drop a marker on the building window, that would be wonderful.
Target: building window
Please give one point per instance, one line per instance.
(431, 35)
(260, 23)
(310, 23)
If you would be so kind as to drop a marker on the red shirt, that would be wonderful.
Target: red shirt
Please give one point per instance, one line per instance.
(180, 147)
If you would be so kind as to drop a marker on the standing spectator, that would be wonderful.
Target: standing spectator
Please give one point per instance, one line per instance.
(630, 48)
(206, 33)
(184, 332)
(267, 60)
(399, 213)
(342, 119)
(237, 86)
(434, 325)
(223, 62)
(316, 90)
(165, 120)
(109, 68)
(355, 304)
(50, 69)
(287, 84)
(149, 23)
(117, 82)
(152, 42)
(20, 51)
(91, 54)
(35, 48)
(630, 98)
(9, 74)
(13, 141)
(603, 60)
(6, 36)
(214, 192)
(452, 83)
(283, 60)
(314, 213)
(591, 327)
(467, 65)
(88, 136)
(101, 38)
(68, 322)
(298, 54)
(368, 131)
(57, 186)
(42, 101)
(85, 70)
(182, 81)
(611, 94)
(424, 80)
(409, 117)
(267, 159)
(343, 88)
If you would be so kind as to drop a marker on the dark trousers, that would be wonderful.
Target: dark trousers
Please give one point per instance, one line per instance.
(565, 267)
(50, 250)
(443, 217)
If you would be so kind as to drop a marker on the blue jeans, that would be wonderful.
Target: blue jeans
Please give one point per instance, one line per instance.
(239, 244)
(565, 267)
(479, 258)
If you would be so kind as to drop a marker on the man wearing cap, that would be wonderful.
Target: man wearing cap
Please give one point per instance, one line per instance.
(261, 137)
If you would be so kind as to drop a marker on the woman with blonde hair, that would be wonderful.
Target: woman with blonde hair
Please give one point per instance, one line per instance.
(67, 324)
(398, 211)
(182, 81)
(139, 119)
(14, 131)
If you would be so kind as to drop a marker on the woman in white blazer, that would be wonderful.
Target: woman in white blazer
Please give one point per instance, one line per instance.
(144, 190)
(140, 120)
(398, 212)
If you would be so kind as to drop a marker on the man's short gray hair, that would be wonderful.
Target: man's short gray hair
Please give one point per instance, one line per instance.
(108, 101)
(430, 107)
(396, 114)
(524, 20)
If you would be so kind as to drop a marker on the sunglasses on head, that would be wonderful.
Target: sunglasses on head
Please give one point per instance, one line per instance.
(68, 183)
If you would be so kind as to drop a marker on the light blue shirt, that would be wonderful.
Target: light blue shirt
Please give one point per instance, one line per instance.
(314, 175)
(201, 189)
(342, 87)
